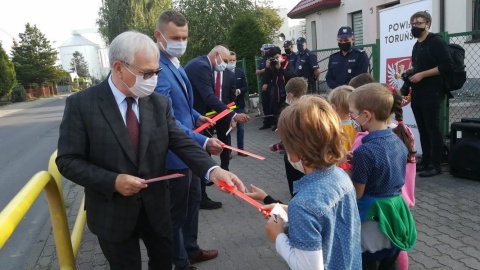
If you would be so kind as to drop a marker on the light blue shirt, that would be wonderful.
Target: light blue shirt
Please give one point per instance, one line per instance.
(323, 215)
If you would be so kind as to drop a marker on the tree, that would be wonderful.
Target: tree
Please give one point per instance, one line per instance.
(118, 16)
(79, 65)
(7, 74)
(209, 22)
(270, 21)
(247, 26)
(34, 58)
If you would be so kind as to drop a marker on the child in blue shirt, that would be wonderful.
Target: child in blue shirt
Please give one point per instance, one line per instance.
(378, 171)
(324, 225)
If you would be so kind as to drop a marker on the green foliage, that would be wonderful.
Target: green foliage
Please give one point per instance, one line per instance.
(209, 22)
(34, 58)
(247, 26)
(79, 65)
(269, 21)
(118, 16)
(62, 77)
(7, 74)
(19, 94)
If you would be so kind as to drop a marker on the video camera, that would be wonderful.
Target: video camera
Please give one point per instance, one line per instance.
(405, 90)
(273, 62)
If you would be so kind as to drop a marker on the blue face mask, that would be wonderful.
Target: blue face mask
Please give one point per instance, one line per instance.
(300, 48)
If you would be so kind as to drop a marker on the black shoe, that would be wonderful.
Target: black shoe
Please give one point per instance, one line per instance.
(208, 204)
(431, 172)
(421, 167)
(274, 128)
(264, 127)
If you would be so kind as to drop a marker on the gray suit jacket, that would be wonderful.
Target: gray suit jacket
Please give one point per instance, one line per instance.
(94, 147)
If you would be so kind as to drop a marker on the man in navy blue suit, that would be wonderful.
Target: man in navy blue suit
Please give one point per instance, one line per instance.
(208, 96)
(240, 91)
(185, 195)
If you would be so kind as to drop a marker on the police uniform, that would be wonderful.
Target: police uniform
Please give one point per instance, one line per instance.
(292, 56)
(305, 65)
(265, 95)
(342, 68)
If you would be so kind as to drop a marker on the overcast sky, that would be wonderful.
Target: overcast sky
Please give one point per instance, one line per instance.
(57, 18)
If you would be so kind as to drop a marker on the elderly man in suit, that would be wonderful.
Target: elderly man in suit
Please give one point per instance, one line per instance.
(115, 135)
(185, 193)
(201, 73)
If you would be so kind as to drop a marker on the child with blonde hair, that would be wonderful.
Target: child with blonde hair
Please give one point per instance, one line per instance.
(324, 226)
(378, 175)
(338, 98)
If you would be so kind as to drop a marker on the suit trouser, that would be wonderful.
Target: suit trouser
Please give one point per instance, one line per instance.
(266, 106)
(240, 130)
(185, 199)
(126, 254)
(426, 110)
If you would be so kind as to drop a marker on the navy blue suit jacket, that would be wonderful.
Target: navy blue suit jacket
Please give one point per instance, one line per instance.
(240, 83)
(200, 74)
(174, 84)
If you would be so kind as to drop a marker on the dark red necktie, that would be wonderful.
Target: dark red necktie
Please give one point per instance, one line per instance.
(132, 124)
(217, 85)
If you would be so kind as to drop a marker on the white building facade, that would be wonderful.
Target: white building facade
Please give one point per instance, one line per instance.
(325, 17)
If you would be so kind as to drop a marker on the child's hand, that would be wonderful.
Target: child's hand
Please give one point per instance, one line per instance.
(349, 156)
(257, 193)
(271, 147)
(274, 228)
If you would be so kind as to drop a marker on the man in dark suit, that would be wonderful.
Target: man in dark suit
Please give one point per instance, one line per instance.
(112, 137)
(185, 193)
(200, 72)
(240, 91)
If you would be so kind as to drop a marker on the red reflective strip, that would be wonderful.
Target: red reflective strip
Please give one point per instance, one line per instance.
(215, 119)
(241, 195)
(165, 177)
(243, 151)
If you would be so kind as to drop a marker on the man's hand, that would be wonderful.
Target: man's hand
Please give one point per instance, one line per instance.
(233, 124)
(417, 77)
(237, 92)
(264, 87)
(129, 185)
(241, 118)
(214, 146)
(274, 228)
(203, 119)
(219, 174)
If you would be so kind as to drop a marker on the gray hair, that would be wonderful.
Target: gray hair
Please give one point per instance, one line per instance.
(126, 45)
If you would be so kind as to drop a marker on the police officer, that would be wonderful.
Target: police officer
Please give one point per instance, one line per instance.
(265, 95)
(346, 63)
(291, 55)
(306, 65)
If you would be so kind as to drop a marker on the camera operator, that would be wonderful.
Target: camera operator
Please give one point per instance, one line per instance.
(277, 73)
(431, 59)
(306, 65)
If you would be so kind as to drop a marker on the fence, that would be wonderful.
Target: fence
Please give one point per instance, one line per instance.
(466, 101)
(67, 245)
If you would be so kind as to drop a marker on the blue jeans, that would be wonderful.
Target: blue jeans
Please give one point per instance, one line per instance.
(185, 196)
(240, 130)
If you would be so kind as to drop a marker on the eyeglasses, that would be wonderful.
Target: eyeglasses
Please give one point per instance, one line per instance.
(146, 75)
(417, 23)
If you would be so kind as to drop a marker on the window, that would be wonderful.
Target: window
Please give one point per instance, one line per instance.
(357, 22)
(314, 35)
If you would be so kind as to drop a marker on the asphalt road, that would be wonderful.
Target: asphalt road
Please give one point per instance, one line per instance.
(28, 137)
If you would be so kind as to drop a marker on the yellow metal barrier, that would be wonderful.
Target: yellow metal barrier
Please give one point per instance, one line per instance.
(67, 247)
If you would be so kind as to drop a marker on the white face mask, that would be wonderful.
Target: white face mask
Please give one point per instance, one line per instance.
(279, 59)
(174, 48)
(231, 65)
(142, 87)
(296, 165)
(220, 67)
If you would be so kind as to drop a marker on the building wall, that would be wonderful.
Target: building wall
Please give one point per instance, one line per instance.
(91, 54)
(458, 18)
